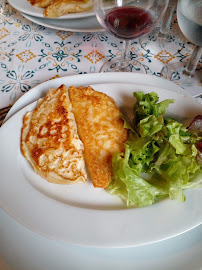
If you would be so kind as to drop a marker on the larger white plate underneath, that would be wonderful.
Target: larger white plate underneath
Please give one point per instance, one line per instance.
(80, 214)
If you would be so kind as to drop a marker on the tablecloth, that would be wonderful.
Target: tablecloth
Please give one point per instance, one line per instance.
(31, 54)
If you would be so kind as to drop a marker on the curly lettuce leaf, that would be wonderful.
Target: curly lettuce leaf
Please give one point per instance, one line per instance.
(128, 184)
(159, 158)
(146, 105)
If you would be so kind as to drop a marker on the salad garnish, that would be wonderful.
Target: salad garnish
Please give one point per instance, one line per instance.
(160, 158)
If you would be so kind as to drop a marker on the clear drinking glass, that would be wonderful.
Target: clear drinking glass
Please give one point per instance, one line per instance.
(189, 16)
(166, 39)
(127, 20)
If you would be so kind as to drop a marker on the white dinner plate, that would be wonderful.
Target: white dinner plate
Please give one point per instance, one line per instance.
(89, 24)
(80, 214)
(25, 7)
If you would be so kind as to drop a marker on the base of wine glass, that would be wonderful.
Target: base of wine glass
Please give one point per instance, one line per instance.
(177, 73)
(115, 66)
(163, 45)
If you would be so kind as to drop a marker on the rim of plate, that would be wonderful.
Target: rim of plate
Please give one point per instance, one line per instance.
(67, 25)
(96, 78)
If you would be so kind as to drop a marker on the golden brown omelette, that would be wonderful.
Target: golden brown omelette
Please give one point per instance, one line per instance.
(40, 3)
(57, 8)
(49, 139)
(101, 130)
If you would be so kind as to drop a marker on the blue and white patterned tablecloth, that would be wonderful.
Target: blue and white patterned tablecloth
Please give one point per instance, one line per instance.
(31, 54)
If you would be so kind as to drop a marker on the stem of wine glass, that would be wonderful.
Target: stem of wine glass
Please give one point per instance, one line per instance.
(3, 4)
(165, 27)
(193, 61)
(124, 61)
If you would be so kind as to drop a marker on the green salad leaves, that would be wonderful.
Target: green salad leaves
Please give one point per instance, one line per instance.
(159, 158)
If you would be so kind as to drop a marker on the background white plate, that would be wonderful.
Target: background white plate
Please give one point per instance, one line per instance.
(80, 214)
(89, 24)
(25, 7)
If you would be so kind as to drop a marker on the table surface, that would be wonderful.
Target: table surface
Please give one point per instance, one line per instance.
(31, 54)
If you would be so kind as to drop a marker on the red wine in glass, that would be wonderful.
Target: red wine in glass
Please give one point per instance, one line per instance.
(128, 22)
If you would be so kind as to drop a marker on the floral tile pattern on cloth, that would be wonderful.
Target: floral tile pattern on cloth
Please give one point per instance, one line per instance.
(31, 54)
(25, 56)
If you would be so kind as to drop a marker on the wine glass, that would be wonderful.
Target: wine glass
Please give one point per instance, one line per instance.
(166, 39)
(189, 16)
(127, 20)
